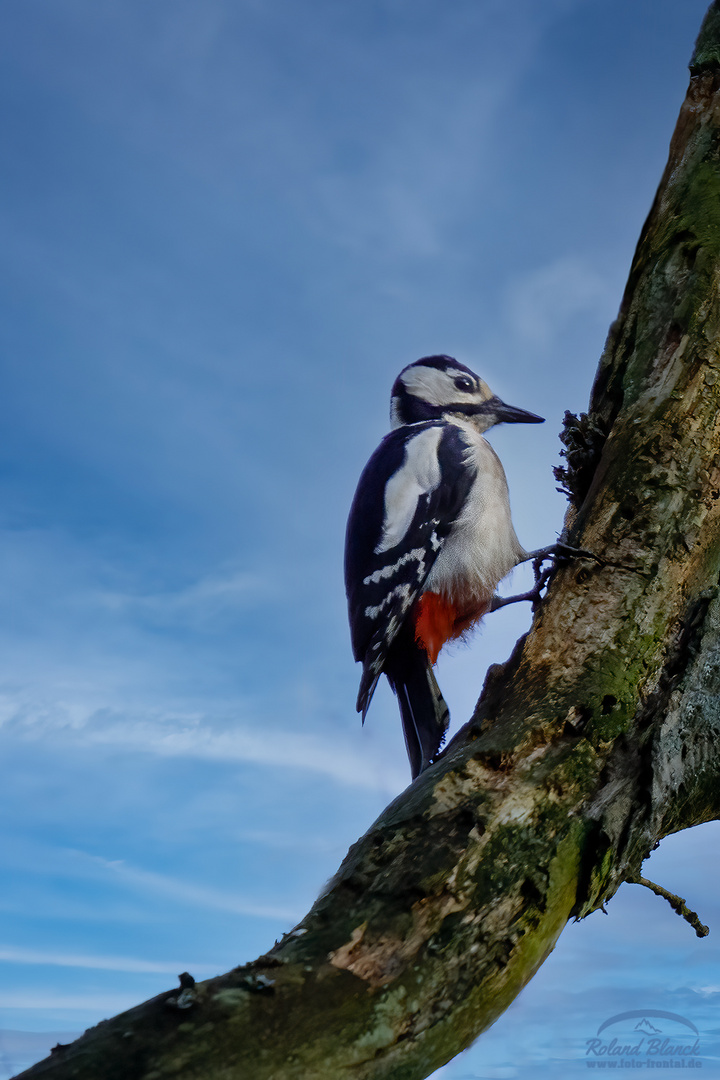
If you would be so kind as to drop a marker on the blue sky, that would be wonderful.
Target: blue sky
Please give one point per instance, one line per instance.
(227, 226)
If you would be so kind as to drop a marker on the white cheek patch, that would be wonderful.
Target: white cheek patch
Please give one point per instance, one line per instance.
(418, 475)
(438, 387)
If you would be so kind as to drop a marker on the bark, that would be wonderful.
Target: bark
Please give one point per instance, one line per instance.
(591, 743)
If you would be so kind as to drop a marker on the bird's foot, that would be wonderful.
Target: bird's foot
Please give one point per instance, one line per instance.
(554, 552)
(559, 551)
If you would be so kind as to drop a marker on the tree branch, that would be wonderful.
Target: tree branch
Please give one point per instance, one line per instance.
(677, 903)
(594, 740)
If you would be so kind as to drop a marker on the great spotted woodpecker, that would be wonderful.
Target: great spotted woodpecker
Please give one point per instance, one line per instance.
(428, 539)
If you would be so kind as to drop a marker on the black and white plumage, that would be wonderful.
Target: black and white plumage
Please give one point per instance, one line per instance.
(428, 539)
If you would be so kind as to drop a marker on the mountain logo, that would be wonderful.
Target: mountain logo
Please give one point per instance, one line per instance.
(647, 1028)
(642, 1015)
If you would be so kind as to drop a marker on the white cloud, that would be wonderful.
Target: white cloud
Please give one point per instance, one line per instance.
(284, 749)
(190, 893)
(193, 734)
(204, 600)
(539, 304)
(97, 1004)
(13, 955)
(401, 148)
(287, 841)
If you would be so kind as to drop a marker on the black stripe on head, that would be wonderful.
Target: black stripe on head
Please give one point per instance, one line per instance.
(442, 363)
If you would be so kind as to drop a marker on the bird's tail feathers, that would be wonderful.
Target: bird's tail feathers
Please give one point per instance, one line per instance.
(368, 682)
(425, 715)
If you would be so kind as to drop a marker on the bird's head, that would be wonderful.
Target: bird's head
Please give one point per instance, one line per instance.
(438, 386)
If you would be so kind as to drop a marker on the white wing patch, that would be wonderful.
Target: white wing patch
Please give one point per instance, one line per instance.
(418, 475)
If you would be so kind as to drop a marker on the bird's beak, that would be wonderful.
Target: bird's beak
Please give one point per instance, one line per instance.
(508, 414)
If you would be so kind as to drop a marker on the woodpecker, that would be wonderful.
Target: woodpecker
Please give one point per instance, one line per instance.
(429, 537)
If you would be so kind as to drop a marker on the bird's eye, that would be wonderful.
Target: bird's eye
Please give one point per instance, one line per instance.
(463, 383)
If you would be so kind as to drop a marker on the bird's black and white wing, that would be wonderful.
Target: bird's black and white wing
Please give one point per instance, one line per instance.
(410, 493)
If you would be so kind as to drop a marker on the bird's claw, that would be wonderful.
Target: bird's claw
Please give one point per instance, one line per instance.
(554, 552)
(559, 551)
